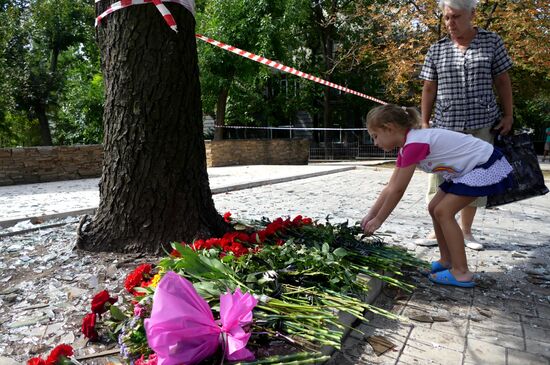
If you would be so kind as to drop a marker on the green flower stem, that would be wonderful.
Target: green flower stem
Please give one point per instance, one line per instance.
(390, 280)
(304, 362)
(276, 303)
(315, 331)
(296, 290)
(310, 358)
(383, 312)
(314, 338)
(297, 316)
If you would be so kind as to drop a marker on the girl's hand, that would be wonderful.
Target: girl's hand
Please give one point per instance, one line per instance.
(370, 226)
(366, 220)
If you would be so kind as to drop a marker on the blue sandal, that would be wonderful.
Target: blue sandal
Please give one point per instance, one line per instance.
(436, 266)
(446, 278)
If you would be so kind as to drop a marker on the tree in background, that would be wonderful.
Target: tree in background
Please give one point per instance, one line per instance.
(405, 30)
(319, 37)
(154, 188)
(339, 27)
(261, 26)
(78, 118)
(15, 128)
(373, 46)
(525, 28)
(38, 33)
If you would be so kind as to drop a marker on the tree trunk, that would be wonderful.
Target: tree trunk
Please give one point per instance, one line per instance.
(220, 113)
(154, 188)
(45, 133)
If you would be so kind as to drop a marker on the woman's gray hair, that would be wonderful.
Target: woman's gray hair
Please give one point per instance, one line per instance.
(458, 4)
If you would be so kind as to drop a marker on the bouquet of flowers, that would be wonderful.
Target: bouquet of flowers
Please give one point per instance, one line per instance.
(265, 285)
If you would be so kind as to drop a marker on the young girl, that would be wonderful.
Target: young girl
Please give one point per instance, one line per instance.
(470, 167)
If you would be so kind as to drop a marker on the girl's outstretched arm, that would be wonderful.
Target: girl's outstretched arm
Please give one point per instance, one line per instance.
(388, 199)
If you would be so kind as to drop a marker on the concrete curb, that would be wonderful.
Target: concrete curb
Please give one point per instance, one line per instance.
(46, 217)
(221, 190)
(346, 319)
(255, 184)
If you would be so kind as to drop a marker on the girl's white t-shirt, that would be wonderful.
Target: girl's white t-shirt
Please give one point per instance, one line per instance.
(444, 152)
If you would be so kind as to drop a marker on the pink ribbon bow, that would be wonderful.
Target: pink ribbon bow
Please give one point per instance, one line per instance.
(182, 329)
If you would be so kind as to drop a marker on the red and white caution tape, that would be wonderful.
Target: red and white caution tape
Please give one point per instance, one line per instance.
(168, 18)
(284, 68)
(190, 5)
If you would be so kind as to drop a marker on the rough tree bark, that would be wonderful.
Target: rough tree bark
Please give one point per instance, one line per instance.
(154, 187)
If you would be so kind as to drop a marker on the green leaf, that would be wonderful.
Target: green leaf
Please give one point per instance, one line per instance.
(239, 227)
(207, 289)
(179, 247)
(117, 314)
(340, 252)
(119, 327)
(227, 259)
(251, 278)
(139, 289)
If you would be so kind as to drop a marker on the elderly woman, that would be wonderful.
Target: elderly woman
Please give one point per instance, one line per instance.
(459, 73)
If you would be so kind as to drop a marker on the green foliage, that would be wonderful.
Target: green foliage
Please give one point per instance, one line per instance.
(40, 39)
(49, 61)
(263, 27)
(80, 113)
(17, 130)
(532, 105)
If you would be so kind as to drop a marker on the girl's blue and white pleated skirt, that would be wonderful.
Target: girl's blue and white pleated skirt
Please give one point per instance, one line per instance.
(490, 178)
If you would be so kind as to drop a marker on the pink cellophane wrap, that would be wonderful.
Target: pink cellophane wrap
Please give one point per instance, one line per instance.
(236, 312)
(182, 330)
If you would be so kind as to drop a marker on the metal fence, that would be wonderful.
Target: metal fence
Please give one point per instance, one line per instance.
(348, 151)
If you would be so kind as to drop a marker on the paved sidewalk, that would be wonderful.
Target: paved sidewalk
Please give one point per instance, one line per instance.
(505, 320)
(74, 197)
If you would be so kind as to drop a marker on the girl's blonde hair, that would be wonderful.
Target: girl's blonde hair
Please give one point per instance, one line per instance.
(403, 117)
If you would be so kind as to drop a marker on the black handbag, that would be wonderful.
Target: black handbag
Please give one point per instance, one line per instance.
(529, 180)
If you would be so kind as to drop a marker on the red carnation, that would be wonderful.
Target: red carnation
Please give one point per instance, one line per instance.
(36, 361)
(212, 242)
(88, 327)
(136, 277)
(297, 221)
(175, 253)
(58, 352)
(99, 301)
(227, 217)
(197, 245)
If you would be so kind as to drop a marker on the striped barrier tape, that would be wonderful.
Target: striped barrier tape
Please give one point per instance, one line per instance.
(190, 5)
(284, 68)
(168, 18)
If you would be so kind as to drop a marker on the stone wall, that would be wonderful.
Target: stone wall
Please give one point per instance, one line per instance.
(43, 164)
(231, 152)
